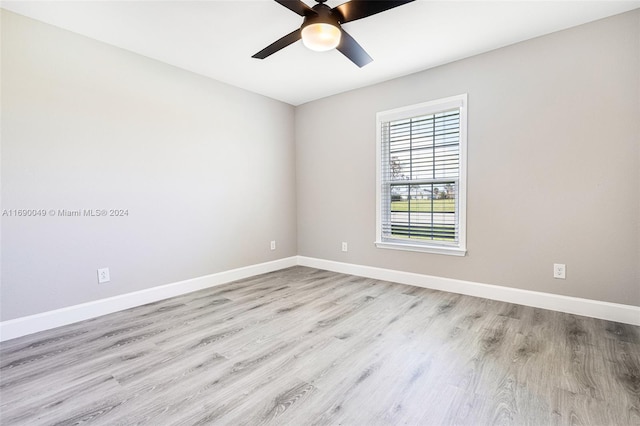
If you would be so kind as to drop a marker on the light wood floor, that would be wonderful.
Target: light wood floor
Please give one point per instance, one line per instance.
(309, 347)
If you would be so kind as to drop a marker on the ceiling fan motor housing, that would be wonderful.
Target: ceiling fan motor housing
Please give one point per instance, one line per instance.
(323, 15)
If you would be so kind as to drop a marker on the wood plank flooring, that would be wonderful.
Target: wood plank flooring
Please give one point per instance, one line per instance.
(304, 346)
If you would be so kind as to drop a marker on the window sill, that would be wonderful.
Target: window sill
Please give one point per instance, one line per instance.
(451, 251)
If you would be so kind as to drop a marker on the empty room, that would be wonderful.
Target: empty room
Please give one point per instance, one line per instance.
(304, 212)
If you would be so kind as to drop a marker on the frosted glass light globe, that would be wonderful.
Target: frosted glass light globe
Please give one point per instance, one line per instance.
(321, 37)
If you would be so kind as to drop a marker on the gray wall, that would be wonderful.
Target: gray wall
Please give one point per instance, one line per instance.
(206, 171)
(554, 160)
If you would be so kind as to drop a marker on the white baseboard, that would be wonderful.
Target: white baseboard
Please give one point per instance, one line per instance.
(51, 319)
(573, 305)
(23, 326)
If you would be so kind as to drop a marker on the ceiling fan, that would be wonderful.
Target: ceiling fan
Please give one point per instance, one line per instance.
(321, 28)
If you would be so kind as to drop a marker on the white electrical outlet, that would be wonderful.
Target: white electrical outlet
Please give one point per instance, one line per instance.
(103, 275)
(559, 271)
(345, 247)
(273, 245)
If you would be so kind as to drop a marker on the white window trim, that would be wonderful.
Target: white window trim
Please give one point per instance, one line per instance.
(426, 108)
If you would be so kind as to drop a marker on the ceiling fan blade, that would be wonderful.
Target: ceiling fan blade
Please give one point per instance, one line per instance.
(358, 9)
(352, 50)
(297, 6)
(292, 37)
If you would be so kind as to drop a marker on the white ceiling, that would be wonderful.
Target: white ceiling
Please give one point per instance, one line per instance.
(217, 38)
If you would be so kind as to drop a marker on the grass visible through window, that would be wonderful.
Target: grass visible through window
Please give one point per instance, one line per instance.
(424, 219)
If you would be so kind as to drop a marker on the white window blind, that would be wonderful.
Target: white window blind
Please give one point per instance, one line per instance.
(421, 177)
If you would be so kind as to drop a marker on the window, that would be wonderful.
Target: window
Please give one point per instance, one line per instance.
(421, 188)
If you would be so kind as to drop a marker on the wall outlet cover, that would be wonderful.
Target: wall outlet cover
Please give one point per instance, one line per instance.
(559, 271)
(103, 275)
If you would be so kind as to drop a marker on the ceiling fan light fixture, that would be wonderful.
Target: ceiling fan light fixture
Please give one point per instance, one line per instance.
(321, 36)
(321, 27)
